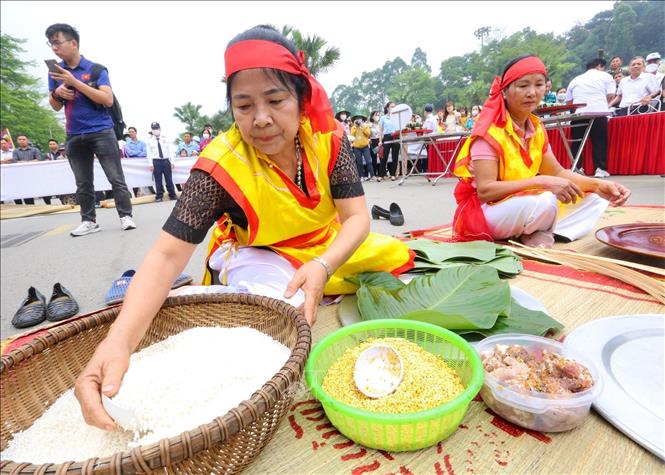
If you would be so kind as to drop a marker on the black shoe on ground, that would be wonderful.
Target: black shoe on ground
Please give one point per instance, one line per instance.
(173, 197)
(396, 215)
(159, 200)
(32, 310)
(62, 304)
(378, 212)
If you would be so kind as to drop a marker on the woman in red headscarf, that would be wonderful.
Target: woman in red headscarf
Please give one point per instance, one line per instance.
(511, 185)
(280, 189)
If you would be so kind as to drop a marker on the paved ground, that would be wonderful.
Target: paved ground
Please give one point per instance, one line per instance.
(87, 265)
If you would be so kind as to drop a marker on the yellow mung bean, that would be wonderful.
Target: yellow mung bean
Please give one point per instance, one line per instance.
(428, 381)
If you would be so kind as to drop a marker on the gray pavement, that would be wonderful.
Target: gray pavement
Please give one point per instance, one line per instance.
(87, 265)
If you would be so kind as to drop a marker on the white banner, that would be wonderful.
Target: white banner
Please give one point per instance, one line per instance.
(55, 177)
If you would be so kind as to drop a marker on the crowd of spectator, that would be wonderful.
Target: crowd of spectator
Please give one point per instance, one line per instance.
(637, 88)
(607, 88)
(189, 145)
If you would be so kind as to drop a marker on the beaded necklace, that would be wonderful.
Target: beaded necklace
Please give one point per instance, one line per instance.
(298, 164)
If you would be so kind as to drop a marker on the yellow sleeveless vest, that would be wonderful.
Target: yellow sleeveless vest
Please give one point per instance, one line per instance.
(515, 163)
(282, 217)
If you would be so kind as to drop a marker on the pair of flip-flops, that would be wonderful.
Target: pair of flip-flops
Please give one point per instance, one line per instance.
(116, 294)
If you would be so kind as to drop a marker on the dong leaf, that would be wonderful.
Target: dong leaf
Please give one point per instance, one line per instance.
(507, 265)
(432, 256)
(433, 251)
(467, 299)
(385, 280)
(457, 298)
(523, 320)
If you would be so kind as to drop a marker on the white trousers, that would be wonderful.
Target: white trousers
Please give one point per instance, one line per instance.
(529, 214)
(250, 270)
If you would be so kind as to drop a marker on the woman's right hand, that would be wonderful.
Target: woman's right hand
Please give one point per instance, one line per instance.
(564, 189)
(102, 374)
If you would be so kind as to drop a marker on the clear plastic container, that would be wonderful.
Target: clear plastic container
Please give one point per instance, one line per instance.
(535, 410)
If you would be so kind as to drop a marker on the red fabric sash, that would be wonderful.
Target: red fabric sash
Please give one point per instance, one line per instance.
(469, 223)
(494, 109)
(251, 54)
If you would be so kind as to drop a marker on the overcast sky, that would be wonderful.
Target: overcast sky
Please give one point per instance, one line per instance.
(163, 54)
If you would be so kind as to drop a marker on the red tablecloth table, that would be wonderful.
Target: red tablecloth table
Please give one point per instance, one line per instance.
(636, 146)
(446, 148)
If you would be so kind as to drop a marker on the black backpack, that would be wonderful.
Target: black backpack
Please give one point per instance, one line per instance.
(115, 110)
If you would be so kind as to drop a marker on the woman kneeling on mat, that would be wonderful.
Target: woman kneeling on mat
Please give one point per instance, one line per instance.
(281, 189)
(511, 184)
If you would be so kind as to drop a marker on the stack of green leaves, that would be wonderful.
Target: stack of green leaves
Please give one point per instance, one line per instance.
(432, 256)
(466, 299)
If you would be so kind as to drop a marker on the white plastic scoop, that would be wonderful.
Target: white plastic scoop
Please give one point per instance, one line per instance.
(378, 371)
(125, 417)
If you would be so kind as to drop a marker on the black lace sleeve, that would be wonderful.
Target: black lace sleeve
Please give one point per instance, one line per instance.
(202, 202)
(344, 180)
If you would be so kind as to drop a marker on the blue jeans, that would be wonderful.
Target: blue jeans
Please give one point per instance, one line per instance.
(81, 150)
(363, 153)
(162, 166)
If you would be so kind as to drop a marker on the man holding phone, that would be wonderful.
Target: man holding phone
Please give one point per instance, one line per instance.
(89, 126)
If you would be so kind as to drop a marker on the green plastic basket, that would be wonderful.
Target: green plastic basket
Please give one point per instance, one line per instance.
(396, 432)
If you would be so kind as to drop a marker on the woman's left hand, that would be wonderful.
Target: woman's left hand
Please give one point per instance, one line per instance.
(311, 278)
(613, 192)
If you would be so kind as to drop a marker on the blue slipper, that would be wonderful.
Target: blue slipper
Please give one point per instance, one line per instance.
(182, 279)
(116, 294)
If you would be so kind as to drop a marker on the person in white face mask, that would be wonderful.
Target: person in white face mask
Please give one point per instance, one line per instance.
(206, 136)
(471, 120)
(161, 162)
(343, 117)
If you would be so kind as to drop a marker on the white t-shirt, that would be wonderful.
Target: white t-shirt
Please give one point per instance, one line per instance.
(591, 88)
(431, 124)
(633, 90)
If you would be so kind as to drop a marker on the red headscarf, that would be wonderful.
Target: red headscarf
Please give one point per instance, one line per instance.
(494, 109)
(250, 54)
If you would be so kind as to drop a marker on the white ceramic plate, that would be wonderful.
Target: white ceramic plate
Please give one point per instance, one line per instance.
(348, 308)
(628, 352)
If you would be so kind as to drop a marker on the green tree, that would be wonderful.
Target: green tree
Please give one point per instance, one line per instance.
(629, 29)
(414, 87)
(419, 60)
(370, 91)
(189, 114)
(20, 95)
(620, 35)
(318, 58)
(220, 121)
(649, 34)
(467, 79)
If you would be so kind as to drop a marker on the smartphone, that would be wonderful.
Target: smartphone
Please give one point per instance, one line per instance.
(52, 65)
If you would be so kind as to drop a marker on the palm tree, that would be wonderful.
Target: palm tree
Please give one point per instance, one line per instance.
(189, 114)
(317, 59)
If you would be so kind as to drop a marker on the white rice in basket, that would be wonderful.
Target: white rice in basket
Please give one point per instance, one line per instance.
(174, 386)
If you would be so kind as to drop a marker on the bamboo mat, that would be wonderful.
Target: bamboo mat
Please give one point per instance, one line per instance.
(9, 211)
(613, 216)
(306, 442)
(588, 244)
